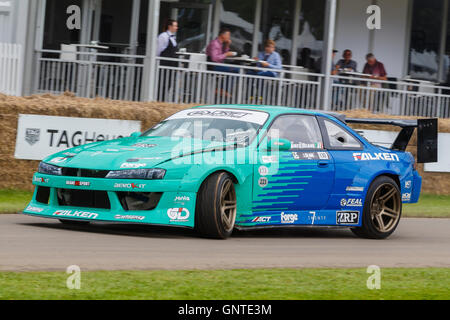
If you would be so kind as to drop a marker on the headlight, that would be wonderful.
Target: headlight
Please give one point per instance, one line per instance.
(150, 174)
(46, 168)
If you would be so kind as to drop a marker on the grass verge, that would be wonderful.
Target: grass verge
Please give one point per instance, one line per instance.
(12, 201)
(429, 206)
(284, 284)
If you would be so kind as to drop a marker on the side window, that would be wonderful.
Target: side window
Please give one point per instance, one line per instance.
(302, 131)
(340, 138)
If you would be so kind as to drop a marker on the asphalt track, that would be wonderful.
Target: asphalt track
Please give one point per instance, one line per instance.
(28, 243)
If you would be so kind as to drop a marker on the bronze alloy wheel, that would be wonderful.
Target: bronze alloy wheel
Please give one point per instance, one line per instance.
(228, 205)
(385, 207)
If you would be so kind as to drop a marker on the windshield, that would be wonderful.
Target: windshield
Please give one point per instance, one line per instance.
(221, 125)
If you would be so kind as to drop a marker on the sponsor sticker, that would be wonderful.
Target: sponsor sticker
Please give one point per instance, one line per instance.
(182, 199)
(77, 213)
(366, 156)
(34, 209)
(288, 217)
(263, 170)
(347, 217)
(129, 185)
(406, 196)
(310, 155)
(301, 145)
(269, 159)
(408, 184)
(178, 214)
(257, 117)
(144, 145)
(263, 182)
(78, 183)
(131, 165)
(323, 155)
(40, 180)
(58, 159)
(354, 189)
(261, 219)
(128, 217)
(351, 202)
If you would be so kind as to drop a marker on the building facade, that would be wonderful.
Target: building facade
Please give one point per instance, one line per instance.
(114, 48)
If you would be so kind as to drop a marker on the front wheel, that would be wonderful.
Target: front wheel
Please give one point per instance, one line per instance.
(382, 210)
(215, 212)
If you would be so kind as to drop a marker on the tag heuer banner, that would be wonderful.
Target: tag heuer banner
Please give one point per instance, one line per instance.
(39, 136)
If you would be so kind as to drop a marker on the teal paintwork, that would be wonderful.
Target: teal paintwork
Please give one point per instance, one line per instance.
(273, 187)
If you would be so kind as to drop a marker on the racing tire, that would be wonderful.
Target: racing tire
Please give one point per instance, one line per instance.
(215, 212)
(382, 209)
(73, 222)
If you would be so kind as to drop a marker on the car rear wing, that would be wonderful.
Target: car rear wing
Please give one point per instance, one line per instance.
(427, 135)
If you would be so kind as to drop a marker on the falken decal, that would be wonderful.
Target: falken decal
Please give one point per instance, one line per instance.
(366, 156)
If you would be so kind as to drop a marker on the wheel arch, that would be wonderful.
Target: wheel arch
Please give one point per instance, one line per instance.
(205, 177)
(391, 174)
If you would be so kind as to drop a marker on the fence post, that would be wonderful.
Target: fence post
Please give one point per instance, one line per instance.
(149, 77)
(327, 52)
(239, 99)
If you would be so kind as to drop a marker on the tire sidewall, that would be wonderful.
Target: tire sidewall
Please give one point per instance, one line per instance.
(367, 221)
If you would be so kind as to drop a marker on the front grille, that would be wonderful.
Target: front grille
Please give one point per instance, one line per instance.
(139, 201)
(83, 198)
(84, 173)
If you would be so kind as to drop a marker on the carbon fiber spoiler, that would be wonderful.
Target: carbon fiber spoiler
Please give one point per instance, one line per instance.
(427, 135)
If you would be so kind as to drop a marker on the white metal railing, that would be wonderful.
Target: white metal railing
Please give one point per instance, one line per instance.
(194, 81)
(390, 97)
(11, 68)
(198, 82)
(86, 76)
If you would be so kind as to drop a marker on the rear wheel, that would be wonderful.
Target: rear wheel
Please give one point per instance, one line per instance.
(215, 212)
(73, 222)
(382, 210)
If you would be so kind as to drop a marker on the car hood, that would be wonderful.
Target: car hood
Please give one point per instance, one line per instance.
(129, 153)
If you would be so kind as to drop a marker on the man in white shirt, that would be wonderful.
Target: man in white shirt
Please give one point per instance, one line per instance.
(167, 41)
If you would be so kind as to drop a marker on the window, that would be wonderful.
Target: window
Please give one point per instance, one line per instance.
(277, 24)
(302, 131)
(425, 39)
(339, 137)
(239, 16)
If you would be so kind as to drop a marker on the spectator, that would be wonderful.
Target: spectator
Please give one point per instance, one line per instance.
(167, 43)
(345, 63)
(219, 49)
(375, 68)
(270, 59)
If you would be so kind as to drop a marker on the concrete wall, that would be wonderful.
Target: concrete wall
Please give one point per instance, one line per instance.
(390, 44)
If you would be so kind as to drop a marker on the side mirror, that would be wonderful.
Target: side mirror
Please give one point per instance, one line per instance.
(136, 134)
(279, 144)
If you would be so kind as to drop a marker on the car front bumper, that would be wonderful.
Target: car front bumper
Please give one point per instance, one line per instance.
(174, 206)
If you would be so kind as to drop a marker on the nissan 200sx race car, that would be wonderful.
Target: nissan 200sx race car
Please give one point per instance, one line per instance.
(217, 168)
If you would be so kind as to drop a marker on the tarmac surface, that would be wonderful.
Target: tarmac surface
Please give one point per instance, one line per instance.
(37, 244)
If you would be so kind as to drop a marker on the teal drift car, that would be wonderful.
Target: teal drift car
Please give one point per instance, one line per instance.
(217, 168)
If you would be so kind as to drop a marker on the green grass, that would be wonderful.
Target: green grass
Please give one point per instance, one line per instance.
(284, 284)
(429, 205)
(14, 200)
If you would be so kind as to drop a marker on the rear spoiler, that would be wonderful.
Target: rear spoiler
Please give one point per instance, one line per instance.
(427, 135)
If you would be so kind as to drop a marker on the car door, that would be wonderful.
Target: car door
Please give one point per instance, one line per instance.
(351, 176)
(290, 185)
